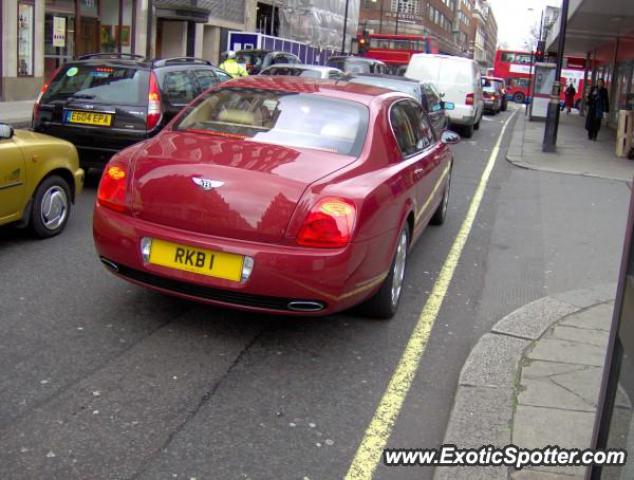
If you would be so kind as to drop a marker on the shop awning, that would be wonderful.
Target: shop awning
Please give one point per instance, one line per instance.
(592, 23)
(193, 10)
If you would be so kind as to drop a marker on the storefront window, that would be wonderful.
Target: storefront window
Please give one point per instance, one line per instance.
(125, 32)
(25, 39)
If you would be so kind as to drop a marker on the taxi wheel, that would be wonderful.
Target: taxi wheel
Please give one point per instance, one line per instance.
(51, 207)
(384, 303)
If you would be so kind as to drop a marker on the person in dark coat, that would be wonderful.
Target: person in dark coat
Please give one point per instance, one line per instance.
(570, 97)
(598, 104)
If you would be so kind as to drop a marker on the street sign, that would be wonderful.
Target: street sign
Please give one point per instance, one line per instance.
(59, 32)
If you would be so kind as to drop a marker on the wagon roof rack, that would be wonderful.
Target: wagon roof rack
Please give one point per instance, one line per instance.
(111, 55)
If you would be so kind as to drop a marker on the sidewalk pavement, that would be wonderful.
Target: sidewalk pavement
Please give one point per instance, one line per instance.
(534, 381)
(575, 153)
(17, 114)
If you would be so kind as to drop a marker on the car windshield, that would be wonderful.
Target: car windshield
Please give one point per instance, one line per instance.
(116, 85)
(410, 88)
(291, 119)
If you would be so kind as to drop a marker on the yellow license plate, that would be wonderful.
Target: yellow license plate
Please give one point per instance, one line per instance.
(196, 260)
(89, 118)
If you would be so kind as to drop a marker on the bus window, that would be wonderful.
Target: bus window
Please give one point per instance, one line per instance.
(523, 59)
(508, 57)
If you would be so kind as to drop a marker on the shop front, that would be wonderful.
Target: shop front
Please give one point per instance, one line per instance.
(40, 35)
(79, 27)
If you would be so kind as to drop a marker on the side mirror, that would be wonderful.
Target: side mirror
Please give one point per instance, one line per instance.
(6, 132)
(448, 105)
(450, 138)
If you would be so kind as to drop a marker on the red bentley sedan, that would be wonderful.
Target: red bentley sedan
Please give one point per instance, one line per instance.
(279, 195)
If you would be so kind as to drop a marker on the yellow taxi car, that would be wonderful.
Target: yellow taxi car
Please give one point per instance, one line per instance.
(39, 180)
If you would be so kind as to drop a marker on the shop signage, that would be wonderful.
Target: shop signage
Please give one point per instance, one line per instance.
(59, 32)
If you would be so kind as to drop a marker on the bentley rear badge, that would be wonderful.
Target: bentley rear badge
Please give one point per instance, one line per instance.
(207, 183)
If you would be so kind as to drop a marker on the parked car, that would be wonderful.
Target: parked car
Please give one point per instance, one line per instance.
(269, 195)
(103, 103)
(40, 179)
(349, 64)
(502, 84)
(300, 70)
(257, 60)
(459, 79)
(425, 93)
(492, 95)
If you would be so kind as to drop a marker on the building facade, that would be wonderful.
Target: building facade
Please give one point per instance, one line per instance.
(458, 27)
(434, 18)
(484, 34)
(37, 36)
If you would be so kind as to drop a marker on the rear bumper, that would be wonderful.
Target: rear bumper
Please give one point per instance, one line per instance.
(492, 104)
(336, 279)
(463, 115)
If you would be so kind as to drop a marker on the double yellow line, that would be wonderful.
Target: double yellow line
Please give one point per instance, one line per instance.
(376, 436)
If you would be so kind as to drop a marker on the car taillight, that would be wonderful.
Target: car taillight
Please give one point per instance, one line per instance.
(469, 100)
(328, 225)
(154, 111)
(112, 187)
(36, 105)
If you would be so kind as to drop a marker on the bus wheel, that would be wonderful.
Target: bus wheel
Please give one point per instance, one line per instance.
(519, 97)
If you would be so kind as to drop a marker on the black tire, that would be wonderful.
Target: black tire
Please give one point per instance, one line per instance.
(467, 131)
(51, 207)
(476, 126)
(382, 305)
(519, 97)
(439, 216)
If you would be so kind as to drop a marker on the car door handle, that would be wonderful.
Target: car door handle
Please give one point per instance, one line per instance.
(419, 172)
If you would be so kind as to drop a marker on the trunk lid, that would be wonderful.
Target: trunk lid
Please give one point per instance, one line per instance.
(225, 187)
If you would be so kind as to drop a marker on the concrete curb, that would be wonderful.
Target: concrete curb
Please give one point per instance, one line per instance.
(483, 408)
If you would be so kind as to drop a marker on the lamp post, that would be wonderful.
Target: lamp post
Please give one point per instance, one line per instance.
(345, 27)
(552, 117)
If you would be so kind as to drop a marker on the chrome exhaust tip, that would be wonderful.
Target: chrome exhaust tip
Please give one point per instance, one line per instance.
(305, 306)
(109, 265)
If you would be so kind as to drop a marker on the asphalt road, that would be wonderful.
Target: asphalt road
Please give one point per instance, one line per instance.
(104, 380)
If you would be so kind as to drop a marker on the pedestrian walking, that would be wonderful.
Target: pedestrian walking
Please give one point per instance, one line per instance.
(232, 67)
(571, 92)
(598, 104)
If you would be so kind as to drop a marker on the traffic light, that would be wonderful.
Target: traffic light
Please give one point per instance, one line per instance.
(364, 43)
(539, 52)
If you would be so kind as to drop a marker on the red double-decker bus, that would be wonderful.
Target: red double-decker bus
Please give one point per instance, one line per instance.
(394, 50)
(516, 67)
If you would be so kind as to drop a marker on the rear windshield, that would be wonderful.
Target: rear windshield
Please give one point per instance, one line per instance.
(116, 85)
(293, 71)
(410, 88)
(291, 119)
(250, 58)
(350, 65)
(440, 70)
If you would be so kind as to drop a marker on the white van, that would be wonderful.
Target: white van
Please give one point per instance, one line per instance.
(459, 79)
